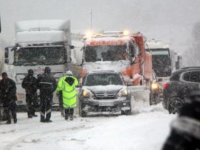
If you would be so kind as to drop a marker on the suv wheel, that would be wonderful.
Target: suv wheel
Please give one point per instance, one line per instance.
(154, 98)
(175, 103)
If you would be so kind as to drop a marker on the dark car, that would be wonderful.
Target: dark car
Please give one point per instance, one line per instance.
(181, 83)
(104, 93)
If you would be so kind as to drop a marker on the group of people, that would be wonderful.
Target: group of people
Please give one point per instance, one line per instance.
(46, 84)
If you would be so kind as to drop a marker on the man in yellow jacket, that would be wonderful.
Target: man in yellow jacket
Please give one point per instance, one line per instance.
(67, 85)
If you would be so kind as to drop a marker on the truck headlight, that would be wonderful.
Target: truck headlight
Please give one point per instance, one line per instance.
(154, 86)
(87, 93)
(123, 92)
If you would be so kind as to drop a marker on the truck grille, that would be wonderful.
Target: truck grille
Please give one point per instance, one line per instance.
(105, 95)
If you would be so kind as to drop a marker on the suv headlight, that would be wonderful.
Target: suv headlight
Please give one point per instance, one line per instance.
(154, 86)
(123, 92)
(87, 93)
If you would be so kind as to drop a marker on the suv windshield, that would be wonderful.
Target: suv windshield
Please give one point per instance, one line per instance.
(39, 56)
(103, 79)
(106, 53)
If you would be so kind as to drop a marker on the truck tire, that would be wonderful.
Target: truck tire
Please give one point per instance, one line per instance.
(127, 112)
(152, 99)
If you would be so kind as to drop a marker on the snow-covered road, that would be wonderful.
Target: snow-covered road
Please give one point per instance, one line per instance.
(146, 128)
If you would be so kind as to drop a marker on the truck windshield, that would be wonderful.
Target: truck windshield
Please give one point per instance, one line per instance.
(103, 79)
(161, 62)
(39, 56)
(106, 53)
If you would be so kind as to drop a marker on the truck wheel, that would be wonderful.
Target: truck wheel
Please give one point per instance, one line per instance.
(151, 99)
(128, 112)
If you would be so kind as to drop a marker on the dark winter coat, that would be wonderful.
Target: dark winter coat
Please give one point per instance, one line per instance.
(46, 83)
(29, 83)
(7, 91)
(185, 134)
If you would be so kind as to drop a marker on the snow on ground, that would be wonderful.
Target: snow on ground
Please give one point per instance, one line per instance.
(146, 128)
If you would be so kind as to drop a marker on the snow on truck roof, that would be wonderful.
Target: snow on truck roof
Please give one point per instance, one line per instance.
(40, 37)
(42, 25)
(154, 44)
(42, 31)
(107, 41)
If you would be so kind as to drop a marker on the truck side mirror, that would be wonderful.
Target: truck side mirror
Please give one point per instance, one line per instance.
(72, 46)
(6, 55)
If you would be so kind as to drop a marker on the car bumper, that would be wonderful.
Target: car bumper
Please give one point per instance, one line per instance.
(105, 106)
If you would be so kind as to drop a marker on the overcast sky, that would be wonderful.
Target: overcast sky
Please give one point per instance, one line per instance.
(168, 20)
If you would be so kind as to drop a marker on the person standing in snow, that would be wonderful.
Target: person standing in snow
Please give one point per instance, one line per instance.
(29, 83)
(47, 85)
(67, 85)
(8, 97)
(185, 130)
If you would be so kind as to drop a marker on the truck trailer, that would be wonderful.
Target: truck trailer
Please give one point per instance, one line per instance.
(38, 44)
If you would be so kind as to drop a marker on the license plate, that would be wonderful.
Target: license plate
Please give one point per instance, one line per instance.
(106, 104)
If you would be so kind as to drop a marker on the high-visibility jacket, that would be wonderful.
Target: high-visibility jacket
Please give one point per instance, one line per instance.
(69, 92)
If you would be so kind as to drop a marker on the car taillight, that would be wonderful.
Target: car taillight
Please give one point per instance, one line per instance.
(165, 85)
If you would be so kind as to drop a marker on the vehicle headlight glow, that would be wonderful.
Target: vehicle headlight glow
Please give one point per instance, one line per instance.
(87, 93)
(89, 34)
(126, 32)
(123, 92)
(154, 86)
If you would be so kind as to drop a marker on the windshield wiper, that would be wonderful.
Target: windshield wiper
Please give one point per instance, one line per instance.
(30, 63)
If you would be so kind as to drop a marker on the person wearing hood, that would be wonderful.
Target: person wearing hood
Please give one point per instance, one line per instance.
(8, 97)
(67, 85)
(47, 85)
(29, 83)
(185, 129)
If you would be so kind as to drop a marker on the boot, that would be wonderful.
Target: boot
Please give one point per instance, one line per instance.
(42, 119)
(8, 122)
(66, 117)
(66, 114)
(15, 120)
(34, 115)
(71, 117)
(29, 115)
(48, 121)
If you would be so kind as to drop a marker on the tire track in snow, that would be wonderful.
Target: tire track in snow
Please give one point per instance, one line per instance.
(22, 139)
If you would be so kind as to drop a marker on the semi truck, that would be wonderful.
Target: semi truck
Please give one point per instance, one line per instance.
(38, 44)
(164, 61)
(121, 51)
